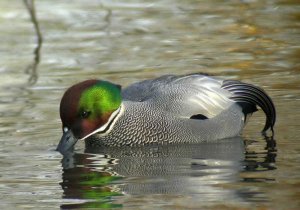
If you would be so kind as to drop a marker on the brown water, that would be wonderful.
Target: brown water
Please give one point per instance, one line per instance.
(257, 41)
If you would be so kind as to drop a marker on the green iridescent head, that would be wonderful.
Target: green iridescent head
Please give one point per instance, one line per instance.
(88, 107)
(99, 99)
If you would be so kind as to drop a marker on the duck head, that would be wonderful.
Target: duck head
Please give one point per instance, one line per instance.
(87, 108)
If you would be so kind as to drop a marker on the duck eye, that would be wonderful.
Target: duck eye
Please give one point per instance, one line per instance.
(85, 114)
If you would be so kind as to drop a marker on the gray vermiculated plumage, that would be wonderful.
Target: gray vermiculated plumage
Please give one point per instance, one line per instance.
(159, 111)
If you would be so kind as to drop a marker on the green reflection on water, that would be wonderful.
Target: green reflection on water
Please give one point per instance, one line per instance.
(95, 188)
(97, 179)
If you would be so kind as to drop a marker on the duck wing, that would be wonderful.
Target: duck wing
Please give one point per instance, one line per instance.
(190, 96)
(201, 97)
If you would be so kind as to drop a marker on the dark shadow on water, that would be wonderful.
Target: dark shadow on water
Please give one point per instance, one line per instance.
(32, 68)
(267, 156)
(99, 178)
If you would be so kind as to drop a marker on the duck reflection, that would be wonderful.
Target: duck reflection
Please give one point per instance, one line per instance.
(259, 158)
(99, 176)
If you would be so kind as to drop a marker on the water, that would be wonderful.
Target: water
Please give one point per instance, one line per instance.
(254, 41)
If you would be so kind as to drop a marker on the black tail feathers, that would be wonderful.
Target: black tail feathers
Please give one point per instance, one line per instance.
(248, 96)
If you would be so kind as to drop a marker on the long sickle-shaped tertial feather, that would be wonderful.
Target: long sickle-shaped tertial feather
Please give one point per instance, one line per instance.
(251, 95)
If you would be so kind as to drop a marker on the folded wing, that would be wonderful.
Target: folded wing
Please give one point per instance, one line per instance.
(199, 96)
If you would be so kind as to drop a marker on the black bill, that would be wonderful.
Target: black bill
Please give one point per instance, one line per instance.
(67, 142)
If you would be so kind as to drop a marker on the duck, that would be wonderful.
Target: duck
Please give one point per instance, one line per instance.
(170, 109)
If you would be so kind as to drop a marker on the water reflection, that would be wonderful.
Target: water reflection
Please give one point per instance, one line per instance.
(91, 187)
(95, 178)
(262, 159)
(32, 68)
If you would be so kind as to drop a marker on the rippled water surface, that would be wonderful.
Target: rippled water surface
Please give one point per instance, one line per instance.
(256, 41)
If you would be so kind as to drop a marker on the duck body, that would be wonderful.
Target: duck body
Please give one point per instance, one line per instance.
(137, 125)
(169, 109)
